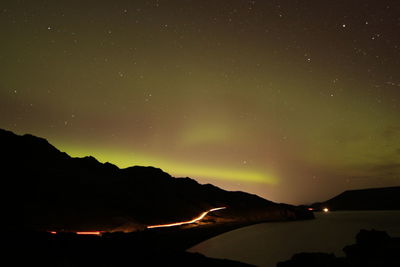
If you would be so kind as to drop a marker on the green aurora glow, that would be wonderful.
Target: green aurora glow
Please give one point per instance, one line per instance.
(294, 101)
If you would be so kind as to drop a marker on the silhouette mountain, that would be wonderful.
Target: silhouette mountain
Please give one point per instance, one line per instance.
(386, 198)
(45, 188)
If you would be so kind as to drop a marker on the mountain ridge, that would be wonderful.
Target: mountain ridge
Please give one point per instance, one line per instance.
(49, 189)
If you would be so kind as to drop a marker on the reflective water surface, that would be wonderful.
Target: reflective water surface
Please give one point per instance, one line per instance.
(266, 244)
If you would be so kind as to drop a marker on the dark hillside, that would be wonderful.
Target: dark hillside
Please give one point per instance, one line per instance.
(47, 189)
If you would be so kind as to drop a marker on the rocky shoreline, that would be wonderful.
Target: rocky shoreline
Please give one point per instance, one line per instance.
(161, 247)
(372, 249)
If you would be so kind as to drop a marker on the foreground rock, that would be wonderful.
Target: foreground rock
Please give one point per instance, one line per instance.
(372, 249)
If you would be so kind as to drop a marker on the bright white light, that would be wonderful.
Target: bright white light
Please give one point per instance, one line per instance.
(325, 209)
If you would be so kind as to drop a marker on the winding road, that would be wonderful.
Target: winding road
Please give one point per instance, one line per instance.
(186, 222)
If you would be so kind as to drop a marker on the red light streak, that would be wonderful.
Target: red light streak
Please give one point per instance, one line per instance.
(82, 233)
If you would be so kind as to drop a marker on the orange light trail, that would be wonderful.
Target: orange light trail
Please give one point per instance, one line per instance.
(186, 222)
(89, 233)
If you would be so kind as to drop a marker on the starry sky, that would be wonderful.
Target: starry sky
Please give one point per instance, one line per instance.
(295, 101)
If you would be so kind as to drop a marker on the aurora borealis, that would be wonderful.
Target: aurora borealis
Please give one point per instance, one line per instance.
(295, 101)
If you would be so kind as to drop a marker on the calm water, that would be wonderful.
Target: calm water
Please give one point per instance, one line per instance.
(266, 244)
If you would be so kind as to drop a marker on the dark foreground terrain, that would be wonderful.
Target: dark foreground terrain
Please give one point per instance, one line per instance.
(372, 249)
(46, 189)
(160, 247)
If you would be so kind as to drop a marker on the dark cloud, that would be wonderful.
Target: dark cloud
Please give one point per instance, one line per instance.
(391, 132)
(389, 172)
(386, 167)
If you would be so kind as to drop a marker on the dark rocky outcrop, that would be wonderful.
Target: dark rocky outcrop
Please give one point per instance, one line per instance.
(111, 249)
(387, 198)
(312, 259)
(47, 189)
(372, 249)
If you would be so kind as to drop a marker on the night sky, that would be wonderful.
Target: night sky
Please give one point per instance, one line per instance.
(295, 101)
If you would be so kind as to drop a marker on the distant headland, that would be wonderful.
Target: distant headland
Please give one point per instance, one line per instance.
(386, 198)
